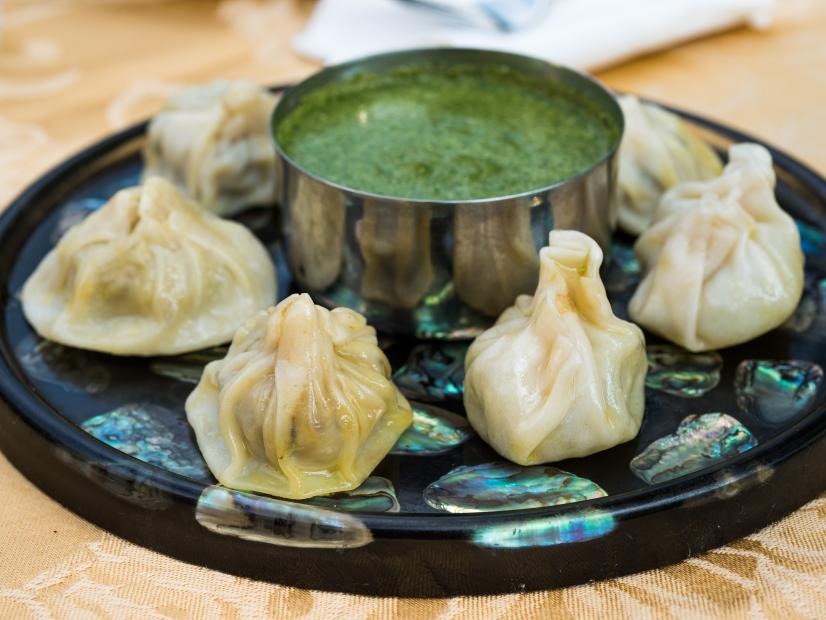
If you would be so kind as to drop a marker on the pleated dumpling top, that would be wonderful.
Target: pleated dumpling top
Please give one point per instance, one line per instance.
(558, 375)
(721, 262)
(302, 405)
(149, 273)
(213, 141)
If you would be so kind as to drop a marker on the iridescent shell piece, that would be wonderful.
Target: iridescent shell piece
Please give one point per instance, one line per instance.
(152, 434)
(434, 431)
(777, 390)
(700, 441)
(678, 372)
(622, 269)
(376, 494)
(813, 243)
(278, 522)
(433, 372)
(505, 486)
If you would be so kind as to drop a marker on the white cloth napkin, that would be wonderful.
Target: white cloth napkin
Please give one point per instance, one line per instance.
(587, 34)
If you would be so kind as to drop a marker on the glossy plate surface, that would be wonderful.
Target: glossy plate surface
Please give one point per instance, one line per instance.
(731, 440)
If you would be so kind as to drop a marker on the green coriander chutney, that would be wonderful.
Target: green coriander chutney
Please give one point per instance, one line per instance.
(448, 133)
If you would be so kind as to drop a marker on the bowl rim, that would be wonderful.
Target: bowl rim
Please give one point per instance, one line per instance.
(426, 53)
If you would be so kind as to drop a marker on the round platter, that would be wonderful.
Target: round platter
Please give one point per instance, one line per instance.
(107, 437)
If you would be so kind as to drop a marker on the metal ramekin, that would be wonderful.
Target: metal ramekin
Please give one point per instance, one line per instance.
(434, 269)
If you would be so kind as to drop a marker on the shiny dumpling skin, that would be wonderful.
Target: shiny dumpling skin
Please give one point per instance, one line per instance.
(722, 262)
(658, 151)
(302, 405)
(558, 375)
(214, 143)
(149, 273)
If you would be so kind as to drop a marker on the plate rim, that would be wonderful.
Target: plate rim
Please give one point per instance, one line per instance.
(22, 401)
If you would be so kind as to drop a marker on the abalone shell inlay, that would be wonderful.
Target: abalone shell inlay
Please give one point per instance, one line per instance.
(506, 486)
(777, 390)
(278, 522)
(376, 494)
(681, 373)
(433, 372)
(152, 434)
(434, 431)
(700, 441)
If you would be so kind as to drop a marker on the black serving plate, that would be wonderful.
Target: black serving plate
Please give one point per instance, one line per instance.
(761, 461)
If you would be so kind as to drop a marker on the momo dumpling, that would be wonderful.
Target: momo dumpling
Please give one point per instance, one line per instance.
(658, 151)
(722, 262)
(302, 405)
(494, 256)
(558, 375)
(213, 142)
(149, 273)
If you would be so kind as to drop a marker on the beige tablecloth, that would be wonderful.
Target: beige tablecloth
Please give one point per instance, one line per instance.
(73, 70)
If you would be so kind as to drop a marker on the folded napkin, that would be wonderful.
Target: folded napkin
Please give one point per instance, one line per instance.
(588, 34)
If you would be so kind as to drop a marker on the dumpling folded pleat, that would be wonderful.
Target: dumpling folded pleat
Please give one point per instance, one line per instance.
(658, 151)
(302, 405)
(214, 143)
(558, 375)
(722, 262)
(149, 273)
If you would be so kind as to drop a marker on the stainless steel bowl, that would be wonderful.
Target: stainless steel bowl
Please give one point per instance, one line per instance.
(434, 269)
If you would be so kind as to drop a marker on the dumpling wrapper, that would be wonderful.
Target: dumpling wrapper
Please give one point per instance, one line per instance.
(302, 405)
(722, 262)
(658, 151)
(214, 143)
(149, 273)
(558, 375)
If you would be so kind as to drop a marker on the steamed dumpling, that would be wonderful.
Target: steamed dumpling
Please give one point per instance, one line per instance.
(722, 261)
(658, 151)
(302, 405)
(149, 273)
(558, 375)
(214, 143)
